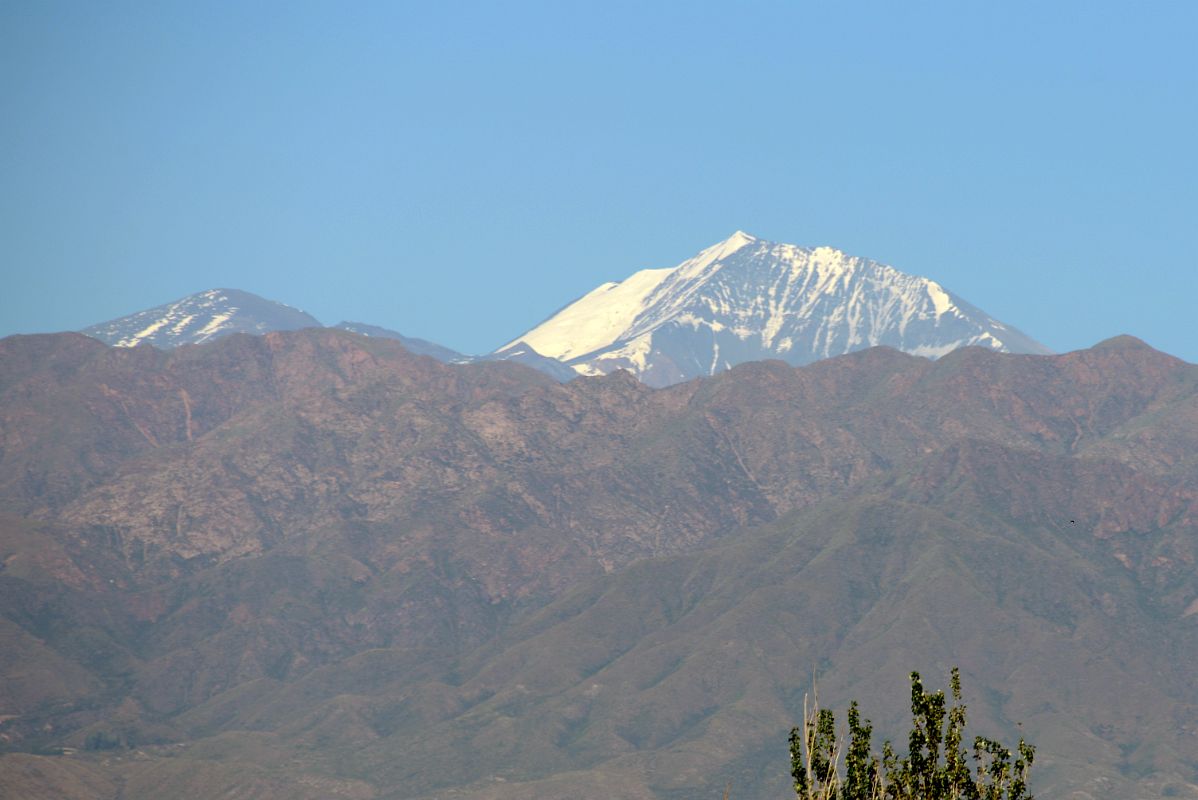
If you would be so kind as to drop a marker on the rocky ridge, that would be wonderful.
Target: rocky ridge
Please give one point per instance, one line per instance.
(310, 563)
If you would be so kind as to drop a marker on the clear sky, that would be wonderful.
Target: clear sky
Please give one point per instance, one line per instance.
(459, 171)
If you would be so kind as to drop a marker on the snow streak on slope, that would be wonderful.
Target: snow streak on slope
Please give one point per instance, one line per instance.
(746, 299)
(200, 318)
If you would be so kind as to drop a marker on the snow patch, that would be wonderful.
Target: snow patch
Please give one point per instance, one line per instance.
(131, 341)
(935, 350)
(940, 299)
(182, 323)
(214, 325)
(635, 353)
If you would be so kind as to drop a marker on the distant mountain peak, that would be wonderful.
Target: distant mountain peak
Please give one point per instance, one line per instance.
(736, 241)
(745, 298)
(201, 317)
(1123, 341)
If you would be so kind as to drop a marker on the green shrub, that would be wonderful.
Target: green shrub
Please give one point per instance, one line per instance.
(936, 766)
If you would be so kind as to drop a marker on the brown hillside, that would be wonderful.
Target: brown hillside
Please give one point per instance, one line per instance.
(313, 564)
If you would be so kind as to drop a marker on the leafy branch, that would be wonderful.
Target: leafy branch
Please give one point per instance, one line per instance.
(936, 766)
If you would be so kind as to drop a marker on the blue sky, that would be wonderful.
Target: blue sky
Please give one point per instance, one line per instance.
(459, 171)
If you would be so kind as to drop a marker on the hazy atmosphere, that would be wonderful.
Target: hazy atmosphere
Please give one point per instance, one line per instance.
(458, 171)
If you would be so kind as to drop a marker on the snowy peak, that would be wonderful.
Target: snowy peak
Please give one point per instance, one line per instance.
(745, 299)
(730, 245)
(602, 315)
(200, 318)
(206, 316)
(741, 299)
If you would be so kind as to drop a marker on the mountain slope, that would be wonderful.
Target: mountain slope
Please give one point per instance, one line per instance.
(200, 318)
(747, 299)
(519, 354)
(314, 564)
(421, 347)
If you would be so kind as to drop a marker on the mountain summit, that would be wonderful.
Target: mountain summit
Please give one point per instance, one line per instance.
(200, 318)
(745, 299)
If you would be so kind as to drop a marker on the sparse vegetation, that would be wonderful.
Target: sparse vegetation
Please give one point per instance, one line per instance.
(102, 740)
(936, 766)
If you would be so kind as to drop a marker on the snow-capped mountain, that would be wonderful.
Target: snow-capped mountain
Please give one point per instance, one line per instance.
(200, 318)
(745, 299)
(206, 316)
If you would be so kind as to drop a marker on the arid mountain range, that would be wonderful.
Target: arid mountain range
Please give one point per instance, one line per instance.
(314, 564)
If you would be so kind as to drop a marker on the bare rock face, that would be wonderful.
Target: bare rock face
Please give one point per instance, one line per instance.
(314, 561)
